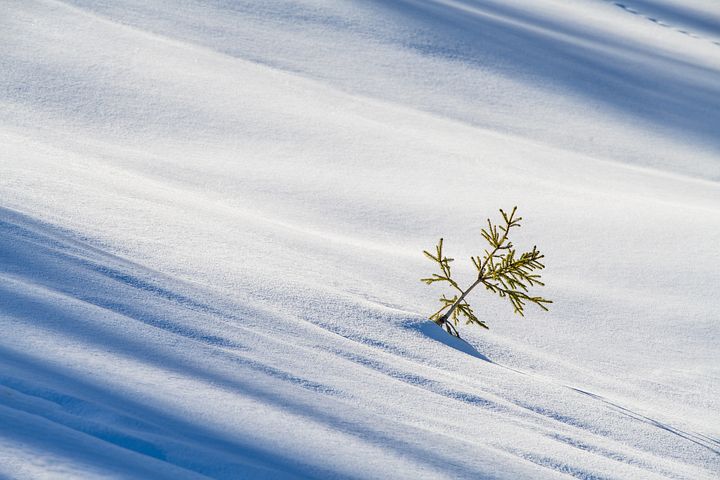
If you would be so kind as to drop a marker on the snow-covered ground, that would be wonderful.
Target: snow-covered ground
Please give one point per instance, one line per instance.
(212, 215)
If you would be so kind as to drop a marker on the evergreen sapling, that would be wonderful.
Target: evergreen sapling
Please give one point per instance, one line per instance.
(500, 270)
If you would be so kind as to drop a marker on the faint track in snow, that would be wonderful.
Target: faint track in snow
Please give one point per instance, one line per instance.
(656, 19)
(698, 439)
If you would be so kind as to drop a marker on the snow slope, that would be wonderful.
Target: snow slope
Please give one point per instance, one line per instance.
(212, 217)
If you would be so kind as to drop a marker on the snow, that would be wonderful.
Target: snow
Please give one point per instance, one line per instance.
(213, 215)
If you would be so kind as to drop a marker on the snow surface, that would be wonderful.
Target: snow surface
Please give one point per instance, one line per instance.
(212, 214)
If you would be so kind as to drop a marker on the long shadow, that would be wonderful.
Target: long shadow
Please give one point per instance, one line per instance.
(631, 79)
(53, 258)
(48, 441)
(661, 89)
(40, 256)
(249, 384)
(145, 420)
(49, 276)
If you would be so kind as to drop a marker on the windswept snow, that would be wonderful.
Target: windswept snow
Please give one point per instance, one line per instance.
(213, 214)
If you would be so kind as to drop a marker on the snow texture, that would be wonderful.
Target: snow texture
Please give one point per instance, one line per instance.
(212, 215)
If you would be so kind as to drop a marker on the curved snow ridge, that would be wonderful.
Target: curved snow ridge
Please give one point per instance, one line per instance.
(112, 359)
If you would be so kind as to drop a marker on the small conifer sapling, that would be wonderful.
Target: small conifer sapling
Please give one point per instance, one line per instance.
(500, 270)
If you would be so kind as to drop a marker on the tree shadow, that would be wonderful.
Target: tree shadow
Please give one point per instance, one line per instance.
(435, 332)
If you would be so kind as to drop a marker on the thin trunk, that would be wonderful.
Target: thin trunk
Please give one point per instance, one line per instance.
(444, 318)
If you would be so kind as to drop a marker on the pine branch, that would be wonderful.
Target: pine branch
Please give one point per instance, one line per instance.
(500, 270)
